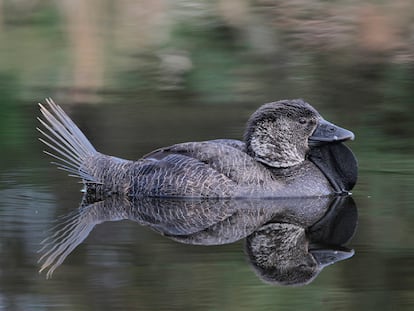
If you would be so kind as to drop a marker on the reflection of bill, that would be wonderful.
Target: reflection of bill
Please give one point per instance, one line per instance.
(284, 236)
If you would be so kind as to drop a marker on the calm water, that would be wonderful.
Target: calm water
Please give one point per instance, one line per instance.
(127, 266)
(199, 75)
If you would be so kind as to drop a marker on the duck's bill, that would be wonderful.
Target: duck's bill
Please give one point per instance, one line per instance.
(326, 257)
(327, 132)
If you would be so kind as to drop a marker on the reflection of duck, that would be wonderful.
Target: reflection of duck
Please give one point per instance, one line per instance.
(278, 231)
(274, 161)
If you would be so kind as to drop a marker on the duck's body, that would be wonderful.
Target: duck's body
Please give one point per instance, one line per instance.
(272, 162)
(216, 168)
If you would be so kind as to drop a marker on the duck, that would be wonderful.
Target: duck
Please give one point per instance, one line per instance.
(288, 150)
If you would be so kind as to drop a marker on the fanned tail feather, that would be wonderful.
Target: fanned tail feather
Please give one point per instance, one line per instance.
(70, 146)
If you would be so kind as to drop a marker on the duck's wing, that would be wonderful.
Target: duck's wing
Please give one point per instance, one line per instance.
(190, 148)
(239, 145)
(224, 156)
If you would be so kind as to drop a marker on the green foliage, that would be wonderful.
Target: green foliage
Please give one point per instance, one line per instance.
(11, 127)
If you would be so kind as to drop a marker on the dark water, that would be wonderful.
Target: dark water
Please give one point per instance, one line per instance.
(199, 75)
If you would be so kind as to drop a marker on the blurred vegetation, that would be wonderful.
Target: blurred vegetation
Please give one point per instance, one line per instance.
(238, 50)
(169, 71)
(347, 58)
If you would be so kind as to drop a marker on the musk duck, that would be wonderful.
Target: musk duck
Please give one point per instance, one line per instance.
(288, 150)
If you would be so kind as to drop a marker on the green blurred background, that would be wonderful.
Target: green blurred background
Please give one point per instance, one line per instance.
(137, 75)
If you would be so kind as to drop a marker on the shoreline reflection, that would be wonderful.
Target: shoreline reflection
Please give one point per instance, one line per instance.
(287, 241)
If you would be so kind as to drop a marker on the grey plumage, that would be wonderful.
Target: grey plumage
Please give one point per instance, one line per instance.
(272, 162)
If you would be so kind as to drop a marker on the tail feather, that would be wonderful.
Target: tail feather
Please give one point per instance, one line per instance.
(70, 146)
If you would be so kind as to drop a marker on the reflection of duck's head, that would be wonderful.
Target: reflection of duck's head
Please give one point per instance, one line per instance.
(280, 254)
(279, 134)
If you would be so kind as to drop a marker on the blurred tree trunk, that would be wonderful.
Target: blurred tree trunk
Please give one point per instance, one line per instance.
(86, 46)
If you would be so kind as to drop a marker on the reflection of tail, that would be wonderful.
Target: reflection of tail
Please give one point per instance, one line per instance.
(70, 145)
(75, 227)
(67, 237)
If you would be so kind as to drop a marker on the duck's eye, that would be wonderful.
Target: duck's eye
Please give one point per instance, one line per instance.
(302, 121)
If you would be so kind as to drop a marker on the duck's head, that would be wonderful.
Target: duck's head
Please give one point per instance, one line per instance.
(279, 134)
